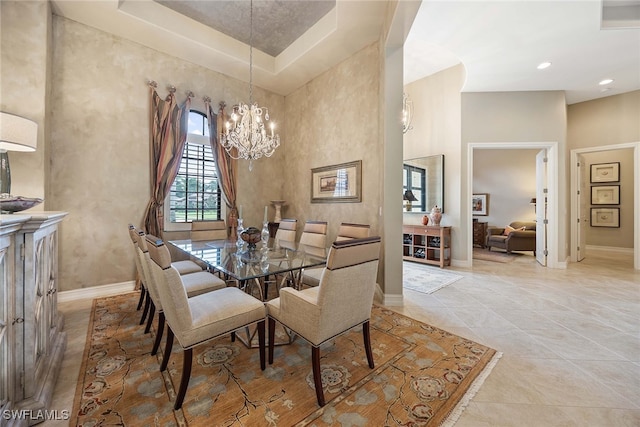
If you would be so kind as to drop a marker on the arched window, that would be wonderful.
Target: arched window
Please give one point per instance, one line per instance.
(195, 194)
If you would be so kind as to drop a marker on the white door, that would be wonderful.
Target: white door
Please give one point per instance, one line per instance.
(583, 200)
(541, 207)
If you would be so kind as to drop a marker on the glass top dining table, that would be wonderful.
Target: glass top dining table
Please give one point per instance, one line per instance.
(282, 258)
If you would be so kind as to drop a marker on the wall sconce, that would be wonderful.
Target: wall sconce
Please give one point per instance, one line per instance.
(408, 197)
(16, 134)
(407, 113)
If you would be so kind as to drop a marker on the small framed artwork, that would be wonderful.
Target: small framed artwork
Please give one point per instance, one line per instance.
(605, 217)
(605, 195)
(605, 172)
(480, 204)
(337, 183)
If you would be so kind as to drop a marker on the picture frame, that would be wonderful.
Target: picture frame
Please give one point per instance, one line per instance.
(341, 183)
(605, 195)
(605, 172)
(480, 204)
(605, 217)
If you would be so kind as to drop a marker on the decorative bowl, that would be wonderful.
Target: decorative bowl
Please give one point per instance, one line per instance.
(13, 204)
(251, 235)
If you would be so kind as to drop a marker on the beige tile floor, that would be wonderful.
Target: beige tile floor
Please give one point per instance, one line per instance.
(570, 340)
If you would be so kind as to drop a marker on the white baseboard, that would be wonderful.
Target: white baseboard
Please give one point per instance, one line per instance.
(96, 291)
(610, 249)
(394, 300)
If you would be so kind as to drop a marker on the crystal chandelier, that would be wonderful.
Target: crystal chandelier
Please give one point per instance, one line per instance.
(245, 132)
(407, 113)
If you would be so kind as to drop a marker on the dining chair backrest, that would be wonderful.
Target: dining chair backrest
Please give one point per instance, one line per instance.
(352, 231)
(133, 232)
(314, 234)
(347, 285)
(170, 288)
(287, 230)
(208, 230)
(145, 260)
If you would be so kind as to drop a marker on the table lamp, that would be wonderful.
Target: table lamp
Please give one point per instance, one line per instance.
(408, 197)
(16, 134)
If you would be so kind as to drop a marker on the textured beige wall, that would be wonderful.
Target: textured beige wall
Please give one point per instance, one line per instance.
(605, 121)
(334, 119)
(437, 130)
(100, 140)
(521, 117)
(510, 190)
(24, 55)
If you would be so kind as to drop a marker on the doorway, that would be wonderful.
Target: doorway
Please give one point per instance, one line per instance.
(578, 182)
(547, 175)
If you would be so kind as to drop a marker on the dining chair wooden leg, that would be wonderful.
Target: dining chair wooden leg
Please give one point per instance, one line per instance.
(272, 337)
(261, 343)
(147, 301)
(367, 343)
(186, 376)
(317, 374)
(167, 349)
(152, 312)
(159, 333)
(142, 295)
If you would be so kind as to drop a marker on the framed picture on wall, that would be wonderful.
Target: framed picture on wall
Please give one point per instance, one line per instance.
(337, 183)
(480, 204)
(605, 172)
(605, 217)
(605, 195)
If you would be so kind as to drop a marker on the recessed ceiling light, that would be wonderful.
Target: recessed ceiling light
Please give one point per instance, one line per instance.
(544, 65)
(605, 82)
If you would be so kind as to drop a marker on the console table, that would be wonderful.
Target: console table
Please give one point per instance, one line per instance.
(427, 244)
(32, 342)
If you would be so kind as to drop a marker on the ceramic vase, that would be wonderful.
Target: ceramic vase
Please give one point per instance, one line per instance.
(425, 220)
(436, 216)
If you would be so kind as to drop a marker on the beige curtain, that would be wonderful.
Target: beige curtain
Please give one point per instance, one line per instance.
(168, 135)
(225, 165)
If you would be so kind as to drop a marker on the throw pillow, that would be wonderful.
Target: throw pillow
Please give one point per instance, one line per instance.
(508, 229)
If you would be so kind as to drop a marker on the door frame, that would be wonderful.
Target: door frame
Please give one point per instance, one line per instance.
(552, 195)
(575, 212)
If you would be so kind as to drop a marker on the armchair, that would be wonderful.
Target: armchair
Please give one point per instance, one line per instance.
(517, 239)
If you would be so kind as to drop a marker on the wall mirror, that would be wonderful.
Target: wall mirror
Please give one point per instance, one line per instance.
(423, 183)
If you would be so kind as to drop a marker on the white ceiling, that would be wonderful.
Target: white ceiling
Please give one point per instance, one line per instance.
(500, 43)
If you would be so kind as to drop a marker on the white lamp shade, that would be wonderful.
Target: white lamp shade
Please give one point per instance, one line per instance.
(17, 133)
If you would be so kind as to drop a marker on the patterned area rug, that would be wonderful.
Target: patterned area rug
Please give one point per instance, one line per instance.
(425, 278)
(423, 376)
(487, 255)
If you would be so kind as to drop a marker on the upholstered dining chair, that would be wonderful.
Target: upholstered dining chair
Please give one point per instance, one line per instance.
(287, 230)
(347, 231)
(197, 320)
(183, 267)
(353, 231)
(339, 303)
(194, 283)
(314, 234)
(208, 230)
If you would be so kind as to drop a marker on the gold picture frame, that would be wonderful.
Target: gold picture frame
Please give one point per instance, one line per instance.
(341, 183)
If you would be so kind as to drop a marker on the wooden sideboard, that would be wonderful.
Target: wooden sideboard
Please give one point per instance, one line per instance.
(427, 244)
(32, 341)
(480, 234)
